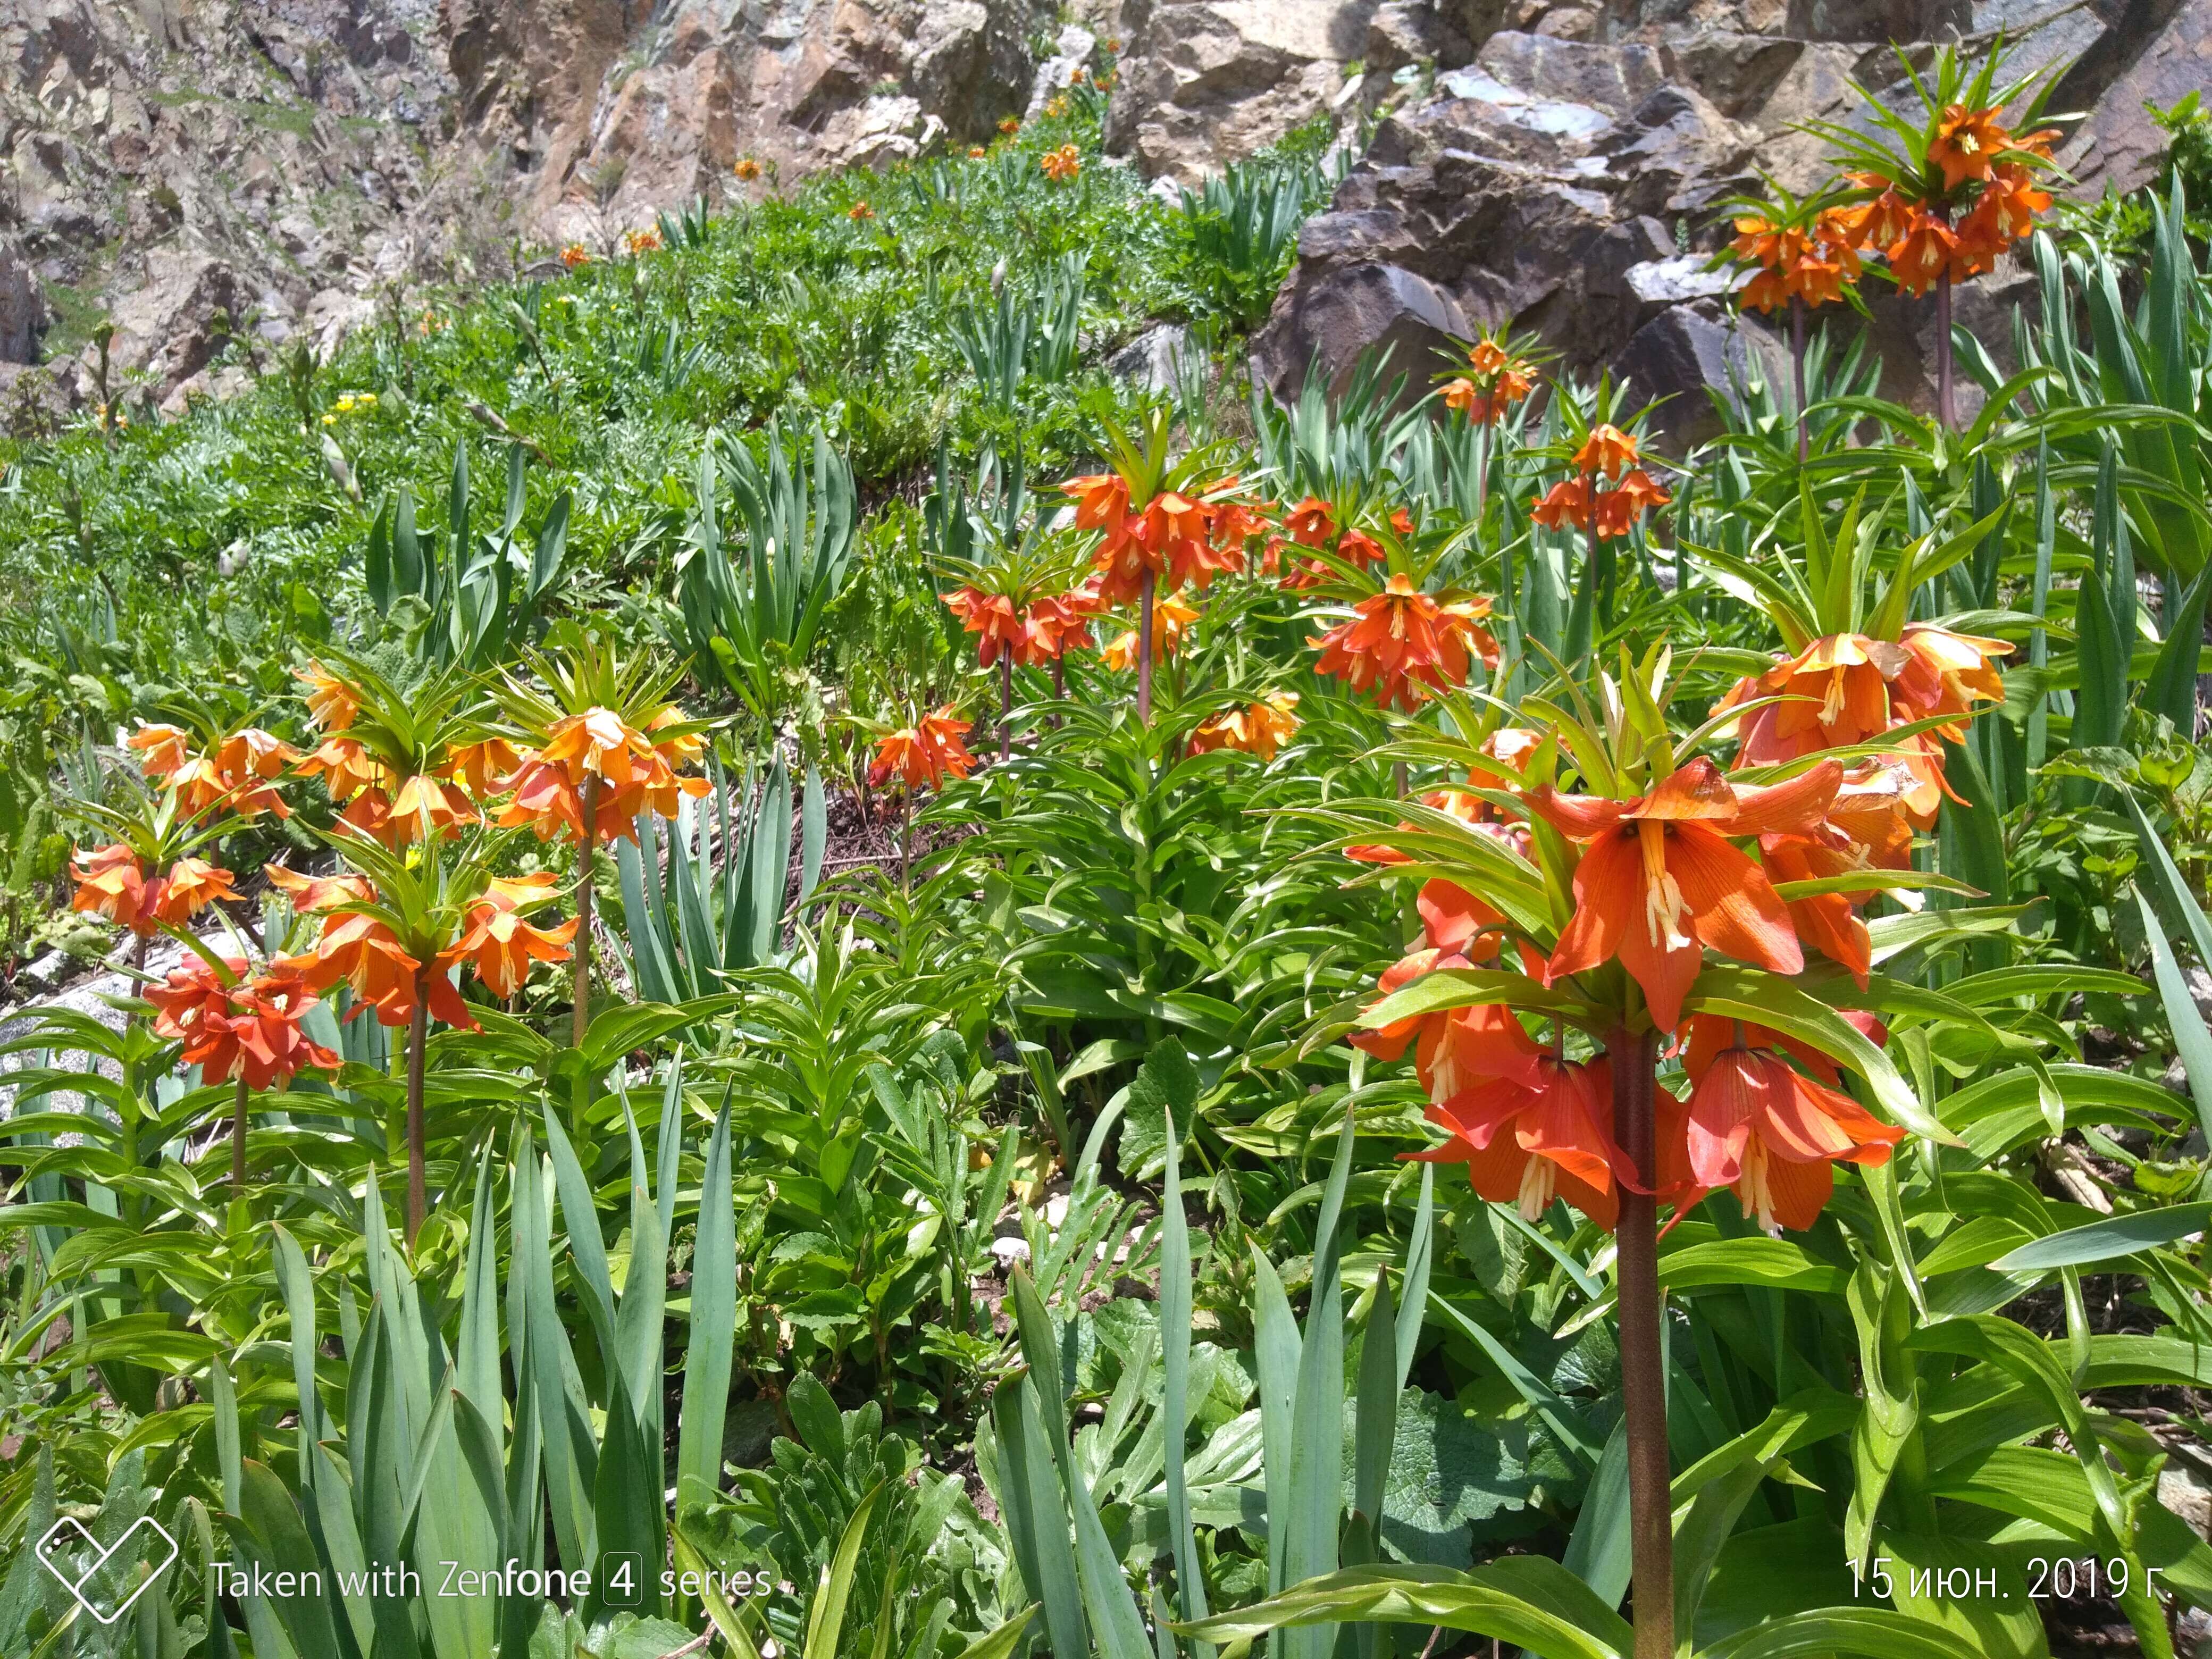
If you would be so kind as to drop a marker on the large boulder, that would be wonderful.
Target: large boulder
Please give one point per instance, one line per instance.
(1570, 180)
(22, 308)
(1204, 84)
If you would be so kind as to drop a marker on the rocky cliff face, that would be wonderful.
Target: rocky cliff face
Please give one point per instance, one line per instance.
(187, 169)
(275, 169)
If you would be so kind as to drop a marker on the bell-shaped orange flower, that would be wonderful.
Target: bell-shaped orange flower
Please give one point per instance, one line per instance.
(1659, 880)
(162, 750)
(248, 761)
(239, 1027)
(923, 754)
(1758, 1125)
(317, 895)
(1526, 1143)
(501, 944)
(1310, 523)
(1569, 503)
(482, 768)
(1608, 450)
(1948, 673)
(362, 952)
(332, 702)
(1171, 616)
(1456, 1048)
(1258, 728)
(111, 882)
(1966, 144)
(993, 618)
(1057, 624)
(1829, 922)
(1834, 693)
(345, 767)
(1923, 253)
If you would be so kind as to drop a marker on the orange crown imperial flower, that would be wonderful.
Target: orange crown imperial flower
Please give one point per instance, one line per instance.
(162, 750)
(1401, 640)
(1062, 164)
(1259, 729)
(499, 945)
(1608, 450)
(239, 1028)
(924, 754)
(112, 883)
(1171, 616)
(573, 258)
(1659, 880)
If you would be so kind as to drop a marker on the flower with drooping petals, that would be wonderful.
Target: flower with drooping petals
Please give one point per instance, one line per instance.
(1258, 728)
(499, 945)
(1171, 616)
(573, 256)
(1401, 640)
(1608, 450)
(244, 1028)
(162, 750)
(1758, 1125)
(1061, 165)
(1659, 880)
(924, 754)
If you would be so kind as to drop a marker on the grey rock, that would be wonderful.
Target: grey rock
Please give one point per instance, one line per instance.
(22, 308)
(1070, 53)
(1689, 350)
(1158, 359)
(1327, 328)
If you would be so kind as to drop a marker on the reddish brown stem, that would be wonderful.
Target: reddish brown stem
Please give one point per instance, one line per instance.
(1145, 651)
(1944, 411)
(1005, 705)
(1797, 366)
(1643, 1369)
(1059, 687)
(237, 1142)
(582, 982)
(418, 1040)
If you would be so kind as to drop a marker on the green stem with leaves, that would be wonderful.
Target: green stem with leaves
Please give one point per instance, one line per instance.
(238, 1141)
(582, 983)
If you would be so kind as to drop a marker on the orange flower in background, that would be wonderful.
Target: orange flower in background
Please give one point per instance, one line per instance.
(1618, 508)
(1009, 125)
(1608, 450)
(112, 883)
(746, 168)
(1758, 1125)
(248, 1028)
(1062, 164)
(992, 617)
(859, 213)
(1171, 616)
(923, 754)
(1259, 729)
(1309, 523)
(976, 152)
(1966, 144)
(315, 895)
(499, 945)
(1454, 1049)
(1497, 382)
(1401, 640)
(162, 750)
(1834, 693)
(573, 258)
(1058, 623)
(248, 761)
(635, 770)
(332, 703)
(1948, 673)
(1566, 503)
(1659, 881)
(642, 241)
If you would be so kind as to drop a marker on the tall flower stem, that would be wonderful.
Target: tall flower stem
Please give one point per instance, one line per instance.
(1643, 1370)
(1058, 688)
(1797, 369)
(418, 1040)
(1006, 706)
(1481, 468)
(238, 1141)
(585, 844)
(1944, 411)
(1144, 650)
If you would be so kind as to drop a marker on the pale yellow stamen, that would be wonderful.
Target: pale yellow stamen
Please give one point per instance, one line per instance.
(1832, 705)
(1664, 908)
(1754, 1189)
(1538, 1184)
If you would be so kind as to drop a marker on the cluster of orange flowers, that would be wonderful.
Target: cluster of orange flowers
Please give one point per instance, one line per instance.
(1171, 619)
(113, 882)
(746, 168)
(631, 771)
(1311, 524)
(1812, 264)
(1494, 384)
(1042, 631)
(923, 754)
(232, 1025)
(1660, 879)
(1062, 164)
(1587, 503)
(1402, 644)
(1009, 125)
(1173, 538)
(647, 241)
(859, 213)
(573, 258)
(237, 775)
